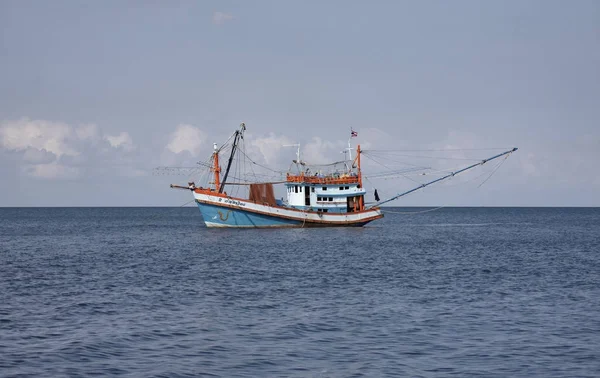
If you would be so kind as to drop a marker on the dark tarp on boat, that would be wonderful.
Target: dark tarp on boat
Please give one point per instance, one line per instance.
(262, 193)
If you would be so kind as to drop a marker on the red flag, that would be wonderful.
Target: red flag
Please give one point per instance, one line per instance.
(353, 133)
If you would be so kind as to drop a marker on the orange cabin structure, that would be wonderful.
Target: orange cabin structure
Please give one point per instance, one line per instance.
(331, 180)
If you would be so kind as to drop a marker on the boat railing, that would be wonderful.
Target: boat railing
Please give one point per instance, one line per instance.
(330, 179)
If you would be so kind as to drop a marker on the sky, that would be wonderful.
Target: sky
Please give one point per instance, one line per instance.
(94, 95)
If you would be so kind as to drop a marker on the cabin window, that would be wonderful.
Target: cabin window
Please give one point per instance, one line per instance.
(296, 189)
(312, 189)
(347, 187)
(325, 210)
(300, 189)
(341, 188)
(324, 188)
(330, 199)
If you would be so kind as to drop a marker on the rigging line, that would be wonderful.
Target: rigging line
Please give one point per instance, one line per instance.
(441, 149)
(371, 158)
(257, 179)
(429, 157)
(231, 159)
(244, 167)
(226, 142)
(395, 161)
(370, 182)
(441, 207)
(329, 164)
(235, 190)
(305, 216)
(424, 172)
(206, 172)
(494, 171)
(477, 177)
(188, 202)
(427, 171)
(251, 171)
(412, 212)
(398, 172)
(260, 165)
(205, 168)
(449, 175)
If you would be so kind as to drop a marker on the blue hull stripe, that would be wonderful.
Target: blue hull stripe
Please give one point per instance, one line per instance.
(220, 216)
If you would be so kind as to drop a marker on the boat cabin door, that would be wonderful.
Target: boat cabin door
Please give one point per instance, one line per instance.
(352, 204)
(307, 195)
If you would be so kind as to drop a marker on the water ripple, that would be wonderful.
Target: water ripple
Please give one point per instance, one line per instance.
(152, 293)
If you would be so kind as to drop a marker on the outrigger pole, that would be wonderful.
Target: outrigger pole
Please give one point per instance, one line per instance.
(447, 176)
(237, 135)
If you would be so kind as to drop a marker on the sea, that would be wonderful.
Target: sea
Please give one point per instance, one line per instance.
(151, 292)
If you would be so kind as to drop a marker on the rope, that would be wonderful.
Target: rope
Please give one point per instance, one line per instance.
(260, 165)
(412, 212)
(304, 221)
(440, 150)
(430, 157)
(496, 167)
(385, 166)
(494, 171)
(185, 204)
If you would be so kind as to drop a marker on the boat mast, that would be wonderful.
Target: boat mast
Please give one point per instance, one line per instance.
(452, 174)
(349, 150)
(361, 201)
(215, 167)
(236, 138)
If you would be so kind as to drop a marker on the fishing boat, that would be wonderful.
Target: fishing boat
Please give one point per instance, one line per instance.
(327, 195)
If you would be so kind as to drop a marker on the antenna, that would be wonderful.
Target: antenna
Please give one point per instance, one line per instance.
(297, 161)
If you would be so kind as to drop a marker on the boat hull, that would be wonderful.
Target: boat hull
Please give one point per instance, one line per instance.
(218, 216)
(218, 211)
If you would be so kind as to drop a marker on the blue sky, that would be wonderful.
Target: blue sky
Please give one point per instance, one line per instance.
(95, 94)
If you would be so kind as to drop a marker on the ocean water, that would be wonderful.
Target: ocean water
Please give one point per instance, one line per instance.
(143, 292)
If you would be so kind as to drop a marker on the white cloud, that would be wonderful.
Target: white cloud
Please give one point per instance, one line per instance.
(50, 149)
(35, 156)
(39, 134)
(372, 137)
(220, 18)
(122, 140)
(89, 131)
(186, 138)
(53, 170)
(319, 151)
(270, 147)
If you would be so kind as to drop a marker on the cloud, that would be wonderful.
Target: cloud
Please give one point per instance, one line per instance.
(123, 140)
(186, 138)
(268, 148)
(86, 132)
(50, 136)
(319, 151)
(53, 170)
(220, 18)
(35, 156)
(50, 149)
